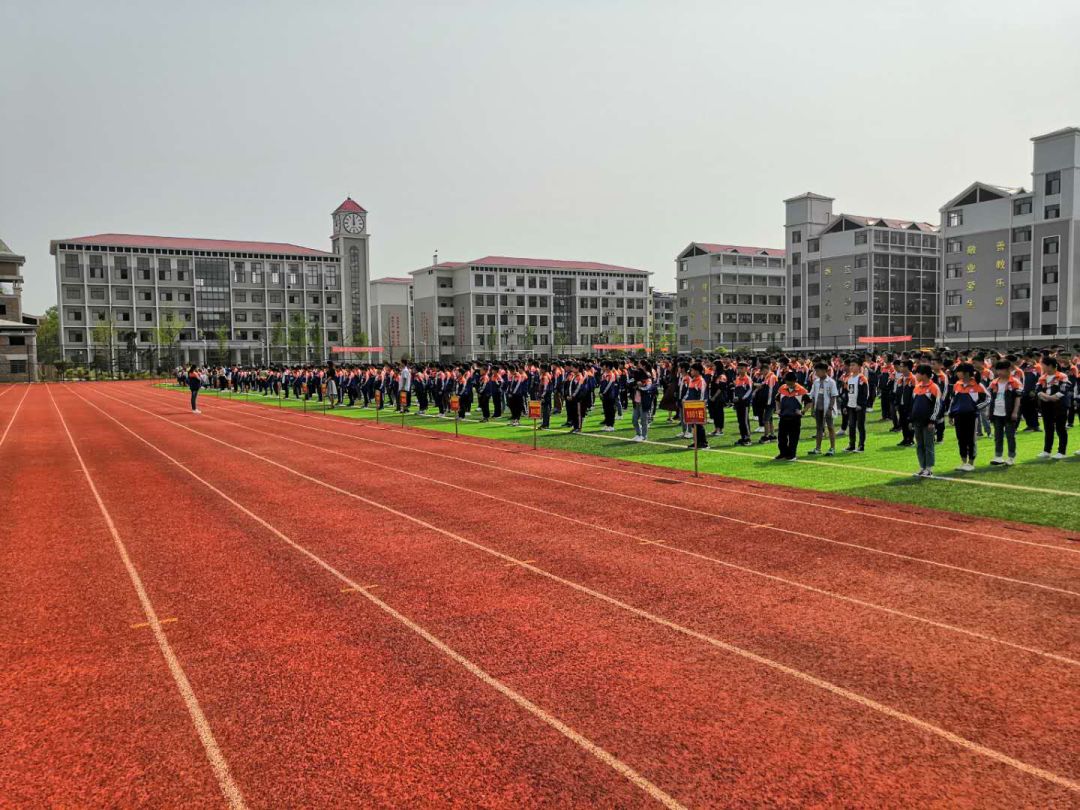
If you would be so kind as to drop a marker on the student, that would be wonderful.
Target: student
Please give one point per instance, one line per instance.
(858, 398)
(925, 405)
(823, 395)
(642, 395)
(718, 395)
(1054, 394)
(1006, 396)
(741, 393)
(194, 382)
(791, 398)
(697, 390)
(968, 397)
(609, 396)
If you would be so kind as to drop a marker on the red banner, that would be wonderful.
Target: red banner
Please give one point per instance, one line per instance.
(895, 339)
(605, 346)
(357, 349)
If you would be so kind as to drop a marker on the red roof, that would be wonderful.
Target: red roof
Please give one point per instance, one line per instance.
(550, 264)
(391, 280)
(350, 206)
(183, 243)
(741, 249)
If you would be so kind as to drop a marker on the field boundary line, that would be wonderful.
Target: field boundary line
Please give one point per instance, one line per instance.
(714, 515)
(820, 683)
(517, 698)
(216, 758)
(366, 423)
(668, 546)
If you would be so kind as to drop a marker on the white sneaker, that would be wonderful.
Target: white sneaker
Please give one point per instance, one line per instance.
(639, 438)
(1043, 454)
(1058, 456)
(1010, 461)
(759, 430)
(997, 461)
(196, 411)
(963, 467)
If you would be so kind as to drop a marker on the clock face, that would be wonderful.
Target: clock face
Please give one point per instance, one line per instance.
(354, 223)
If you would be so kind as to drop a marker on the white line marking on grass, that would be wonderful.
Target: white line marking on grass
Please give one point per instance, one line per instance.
(820, 683)
(661, 543)
(217, 760)
(520, 700)
(748, 523)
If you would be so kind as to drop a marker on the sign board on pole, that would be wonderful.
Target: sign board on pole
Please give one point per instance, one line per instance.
(535, 410)
(455, 403)
(378, 399)
(403, 398)
(694, 412)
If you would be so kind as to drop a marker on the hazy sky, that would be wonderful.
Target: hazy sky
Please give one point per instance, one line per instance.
(611, 131)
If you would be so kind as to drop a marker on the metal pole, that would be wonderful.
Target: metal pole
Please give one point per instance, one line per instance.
(457, 413)
(695, 452)
(535, 431)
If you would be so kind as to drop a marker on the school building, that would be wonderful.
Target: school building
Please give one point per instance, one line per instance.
(212, 300)
(730, 296)
(18, 331)
(505, 307)
(391, 318)
(853, 276)
(1010, 253)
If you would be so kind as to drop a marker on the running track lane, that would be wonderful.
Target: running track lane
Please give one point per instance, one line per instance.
(1003, 609)
(950, 681)
(318, 699)
(90, 715)
(851, 727)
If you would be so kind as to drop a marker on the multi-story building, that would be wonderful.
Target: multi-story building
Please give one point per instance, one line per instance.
(499, 307)
(18, 331)
(730, 296)
(1011, 260)
(852, 277)
(212, 299)
(661, 330)
(391, 318)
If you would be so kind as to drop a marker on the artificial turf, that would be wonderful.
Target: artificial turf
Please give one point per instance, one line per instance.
(883, 472)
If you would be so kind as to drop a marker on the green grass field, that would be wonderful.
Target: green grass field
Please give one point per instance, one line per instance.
(1036, 491)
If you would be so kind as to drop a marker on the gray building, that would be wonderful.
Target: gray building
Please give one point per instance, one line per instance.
(391, 318)
(662, 330)
(852, 277)
(730, 296)
(127, 298)
(505, 307)
(18, 331)
(1011, 264)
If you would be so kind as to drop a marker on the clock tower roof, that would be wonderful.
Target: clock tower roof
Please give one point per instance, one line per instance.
(350, 206)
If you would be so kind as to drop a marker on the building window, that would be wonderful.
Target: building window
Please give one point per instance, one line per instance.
(1049, 303)
(796, 237)
(1053, 183)
(953, 323)
(1021, 264)
(1021, 234)
(1021, 207)
(1050, 275)
(1021, 292)
(953, 298)
(954, 246)
(813, 245)
(1052, 211)
(1051, 245)
(860, 237)
(954, 218)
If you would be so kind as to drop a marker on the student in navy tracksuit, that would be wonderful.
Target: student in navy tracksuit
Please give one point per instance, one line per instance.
(194, 382)
(742, 392)
(1006, 395)
(926, 403)
(968, 397)
(643, 395)
(857, 388)
(791, 399)
(1055, 394)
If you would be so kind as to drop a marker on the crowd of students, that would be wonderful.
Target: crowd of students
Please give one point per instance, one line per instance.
(980, 394)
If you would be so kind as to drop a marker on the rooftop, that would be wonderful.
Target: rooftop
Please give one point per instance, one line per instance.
(550, 264)
(130, 240)
(392, 280)
(1057, 133)
(350, 206)
(741, 250)
(884, 222)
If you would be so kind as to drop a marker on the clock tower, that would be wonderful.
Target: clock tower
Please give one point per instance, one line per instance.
(350, 242)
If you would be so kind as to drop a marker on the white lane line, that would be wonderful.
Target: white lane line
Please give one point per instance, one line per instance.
(562, 458)
(813, 680)
(548, 479)
(520, 700)
(11, 421)
(661, 544)
(216, 758)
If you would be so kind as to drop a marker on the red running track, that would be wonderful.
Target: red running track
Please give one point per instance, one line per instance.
(368, 616)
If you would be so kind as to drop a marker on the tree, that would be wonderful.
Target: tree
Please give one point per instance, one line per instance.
(48, 337)
(277, 338)
(221, 338)
(104, 337)
(315, 339)
(165, 335)
(492, 337)
(560, 339)
(296, 332)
